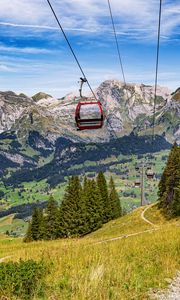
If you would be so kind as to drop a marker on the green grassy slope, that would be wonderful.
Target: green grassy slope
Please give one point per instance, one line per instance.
(13, 226)
(95, 268)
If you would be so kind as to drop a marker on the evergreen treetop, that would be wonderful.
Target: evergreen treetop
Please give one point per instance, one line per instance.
(93, 206)
(169, 184)
(103, 189)
(71, 208)
(83, 210)
(116, 210)
(50, 219)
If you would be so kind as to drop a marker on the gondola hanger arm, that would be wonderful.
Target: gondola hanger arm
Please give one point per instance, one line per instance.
(82, 81)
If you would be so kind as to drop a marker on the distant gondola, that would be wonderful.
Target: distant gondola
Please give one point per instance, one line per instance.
(137, 183)
(150, 173)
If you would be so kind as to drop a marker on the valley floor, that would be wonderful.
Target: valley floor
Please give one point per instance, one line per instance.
(125, 259)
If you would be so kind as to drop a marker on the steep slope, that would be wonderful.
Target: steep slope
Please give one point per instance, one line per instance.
(126, 259)
(12, 107)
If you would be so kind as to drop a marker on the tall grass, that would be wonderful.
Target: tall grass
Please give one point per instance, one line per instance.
(119, 270)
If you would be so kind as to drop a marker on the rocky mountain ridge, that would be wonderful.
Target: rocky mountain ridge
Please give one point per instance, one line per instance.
(128, 108)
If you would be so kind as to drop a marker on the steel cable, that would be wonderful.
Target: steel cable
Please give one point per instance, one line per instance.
(75, 57)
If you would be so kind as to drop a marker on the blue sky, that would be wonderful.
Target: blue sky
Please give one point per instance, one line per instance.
(34, 55)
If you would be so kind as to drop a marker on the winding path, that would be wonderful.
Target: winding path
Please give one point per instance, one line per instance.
(126, 236)
(144, 218)
(155, 227)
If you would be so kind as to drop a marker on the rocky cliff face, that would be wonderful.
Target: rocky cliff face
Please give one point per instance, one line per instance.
(12, 107)
(128, 109)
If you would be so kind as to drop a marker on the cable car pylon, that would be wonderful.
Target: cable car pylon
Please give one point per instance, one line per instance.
(143, 172)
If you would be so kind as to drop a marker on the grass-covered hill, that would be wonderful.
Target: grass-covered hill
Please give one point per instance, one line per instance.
(125, 259)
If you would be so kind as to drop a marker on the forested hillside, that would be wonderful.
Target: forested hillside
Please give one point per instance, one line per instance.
(85, 208)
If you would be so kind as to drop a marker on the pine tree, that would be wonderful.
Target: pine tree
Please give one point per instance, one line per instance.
(116, 210)
(41, 225)
(72, 210)
(28, 237)
(93, 206)
(51, 219)
(85, 184)
(163, 183)
(169, 184)
(102, 186)
(175, 204)
(175, 207)
(34, 232)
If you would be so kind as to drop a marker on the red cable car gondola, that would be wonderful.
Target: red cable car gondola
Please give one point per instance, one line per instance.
(89, 114)
(89, 123)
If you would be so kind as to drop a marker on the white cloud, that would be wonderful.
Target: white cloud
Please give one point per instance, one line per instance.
(29, 26)
(27, 11)
(26, 50)
(6, 68)
(60, 79)
(45, 27)
(135, 18)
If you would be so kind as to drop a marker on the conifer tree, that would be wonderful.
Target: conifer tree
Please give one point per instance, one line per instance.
(102, 186)
(85, 184)
(41, 225)
(72, 211)
(164, 180)
(51, 219)
(34, 232)
(169, 184)
(93, 206)
(175, 183)
(116, 210)
(175, 207)
(28, 237)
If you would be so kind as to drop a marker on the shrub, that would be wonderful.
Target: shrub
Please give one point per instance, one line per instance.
(22, 279)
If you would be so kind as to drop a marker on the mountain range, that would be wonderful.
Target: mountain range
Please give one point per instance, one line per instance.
(39, 139)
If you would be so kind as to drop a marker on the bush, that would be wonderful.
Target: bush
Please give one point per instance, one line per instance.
(22, 279)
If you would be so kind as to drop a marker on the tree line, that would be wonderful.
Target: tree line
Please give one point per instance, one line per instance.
(169, 185)
(85, 208)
